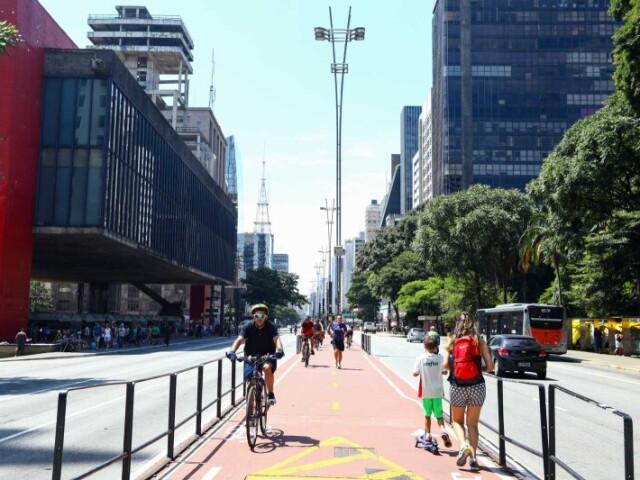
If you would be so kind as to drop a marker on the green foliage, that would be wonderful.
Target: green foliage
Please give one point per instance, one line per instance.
(626, 50)
(473, 235)
(40, 297)
(9, 37)
(275, 288)
(285, 315)
(361, 297)
(422, 297)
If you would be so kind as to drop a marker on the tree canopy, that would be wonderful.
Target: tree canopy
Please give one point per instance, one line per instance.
(275, 288)
(9, 37)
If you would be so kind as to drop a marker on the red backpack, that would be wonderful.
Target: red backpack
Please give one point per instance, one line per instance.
(467, 366)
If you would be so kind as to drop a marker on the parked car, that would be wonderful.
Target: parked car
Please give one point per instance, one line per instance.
(517, 353)
(415, 335)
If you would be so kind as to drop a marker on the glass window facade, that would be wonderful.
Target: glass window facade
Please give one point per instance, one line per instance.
(103, 164)
(510, 81)
(408, 147)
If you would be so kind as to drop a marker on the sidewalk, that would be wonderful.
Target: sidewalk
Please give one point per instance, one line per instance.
(631, 364)
(356, 422)
(111, 351)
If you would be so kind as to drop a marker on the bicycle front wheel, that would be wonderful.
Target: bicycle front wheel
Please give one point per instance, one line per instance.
(264, 409)
(252, 418)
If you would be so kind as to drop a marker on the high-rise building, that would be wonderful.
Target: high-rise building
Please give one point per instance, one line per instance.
(281, 262)
(372, 217)
(408, 148)
(395, 162)
(509, 79)
(423, 166)
(351, 247)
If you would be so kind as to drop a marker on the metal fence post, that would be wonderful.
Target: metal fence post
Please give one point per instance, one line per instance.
(173, 387)
(199, 400)
(59, 445)
(219, 393)
(233, 383)
(544, 431)
(298, 344)
(128, 432)
(501, 442)
(552, 432)
(628, 447)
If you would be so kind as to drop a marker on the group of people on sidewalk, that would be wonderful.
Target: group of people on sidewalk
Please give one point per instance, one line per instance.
(463, 358)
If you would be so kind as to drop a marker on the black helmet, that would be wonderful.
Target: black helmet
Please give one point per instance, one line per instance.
(260, 306)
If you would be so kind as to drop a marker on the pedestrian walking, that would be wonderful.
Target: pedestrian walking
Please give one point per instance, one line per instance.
(619, 350)
(468, 389)
(21, 342)
(597, 339)
(167, 333)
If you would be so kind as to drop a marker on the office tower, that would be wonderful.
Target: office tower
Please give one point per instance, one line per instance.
(372, 217)
(509, 79)
(408, 148)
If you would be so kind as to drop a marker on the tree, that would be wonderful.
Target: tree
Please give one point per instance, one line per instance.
(361, 297)
(541, 241)
(275, 288)
(390, 279)
(9, 37)
(589, 187)
(285, 315)
(473, 235)
(626, 50)
(40, 297)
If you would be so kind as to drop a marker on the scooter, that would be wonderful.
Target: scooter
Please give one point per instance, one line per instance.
(430, 445)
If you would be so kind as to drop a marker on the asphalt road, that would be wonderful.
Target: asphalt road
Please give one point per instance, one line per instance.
(95, 416)
(589, 439)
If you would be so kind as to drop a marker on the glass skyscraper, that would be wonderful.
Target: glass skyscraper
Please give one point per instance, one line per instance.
(509, 78)
(408, 148)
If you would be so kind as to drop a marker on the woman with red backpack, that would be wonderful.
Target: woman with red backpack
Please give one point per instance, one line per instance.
(466, 350)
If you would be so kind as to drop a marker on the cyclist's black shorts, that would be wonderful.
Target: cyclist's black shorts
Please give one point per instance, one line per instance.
(248, 369)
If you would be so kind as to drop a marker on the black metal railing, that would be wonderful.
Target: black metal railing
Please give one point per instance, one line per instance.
(627, 423)
(128, 450)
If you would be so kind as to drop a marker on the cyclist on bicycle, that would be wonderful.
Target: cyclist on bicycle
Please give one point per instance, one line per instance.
(307, 332)
(318, 332)
(260, 338)
(349, 335)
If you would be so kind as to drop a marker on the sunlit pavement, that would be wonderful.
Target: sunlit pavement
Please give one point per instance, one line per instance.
(357, 422)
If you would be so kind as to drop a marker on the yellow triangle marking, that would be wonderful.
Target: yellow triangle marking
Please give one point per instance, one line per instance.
(285, 468)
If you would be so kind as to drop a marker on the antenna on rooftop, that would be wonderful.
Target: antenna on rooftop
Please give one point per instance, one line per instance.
(212, 89)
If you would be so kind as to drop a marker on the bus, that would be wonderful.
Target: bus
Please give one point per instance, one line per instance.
(543, 322)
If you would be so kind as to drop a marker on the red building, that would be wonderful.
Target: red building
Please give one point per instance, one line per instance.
(20, 112)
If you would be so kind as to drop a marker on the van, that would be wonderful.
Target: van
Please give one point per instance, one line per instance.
(369, 327)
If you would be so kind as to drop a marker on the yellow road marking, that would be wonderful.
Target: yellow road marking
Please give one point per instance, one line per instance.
(335, 385)
(285, 469)
(336, 405)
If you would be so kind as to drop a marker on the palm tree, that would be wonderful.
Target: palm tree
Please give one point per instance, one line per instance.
(9, 36)
(541, 241)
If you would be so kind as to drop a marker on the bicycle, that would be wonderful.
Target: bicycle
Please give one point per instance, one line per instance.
(257, 401)
(305, 350)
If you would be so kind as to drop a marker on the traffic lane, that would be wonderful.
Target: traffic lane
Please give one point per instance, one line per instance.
(328, 423)
(94, 425)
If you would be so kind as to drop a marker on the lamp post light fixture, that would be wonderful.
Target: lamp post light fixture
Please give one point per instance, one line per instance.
(339, 35)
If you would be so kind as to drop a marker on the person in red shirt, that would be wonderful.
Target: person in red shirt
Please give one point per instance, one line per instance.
(307, 331)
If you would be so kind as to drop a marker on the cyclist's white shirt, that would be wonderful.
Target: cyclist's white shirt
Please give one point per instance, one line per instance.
(429, 365)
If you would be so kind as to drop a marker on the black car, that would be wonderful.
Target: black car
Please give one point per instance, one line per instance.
(517, 353)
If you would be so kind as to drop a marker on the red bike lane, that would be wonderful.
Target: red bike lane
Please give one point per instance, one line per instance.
(358, 422)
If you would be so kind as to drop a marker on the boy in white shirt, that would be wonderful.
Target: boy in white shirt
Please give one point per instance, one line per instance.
(429, 367)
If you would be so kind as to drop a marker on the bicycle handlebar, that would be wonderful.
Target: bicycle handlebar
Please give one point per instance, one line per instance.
(257, 358)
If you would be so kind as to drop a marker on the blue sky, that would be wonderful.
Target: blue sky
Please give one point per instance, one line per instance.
(275, 94)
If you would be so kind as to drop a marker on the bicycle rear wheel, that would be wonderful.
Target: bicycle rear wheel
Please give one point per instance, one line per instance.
(252, 418)
(264, 409)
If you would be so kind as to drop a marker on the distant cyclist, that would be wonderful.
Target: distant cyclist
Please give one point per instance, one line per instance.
(434, 333)
(349, 335)
(260, 338)
(306, 331)
(318, 332)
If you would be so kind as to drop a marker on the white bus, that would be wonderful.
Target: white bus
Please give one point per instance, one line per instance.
(543, 322)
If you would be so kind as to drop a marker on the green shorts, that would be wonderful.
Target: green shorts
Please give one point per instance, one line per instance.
(432, 405)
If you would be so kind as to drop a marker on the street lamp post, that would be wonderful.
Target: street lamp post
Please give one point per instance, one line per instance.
(329, 211)
(339, 35)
